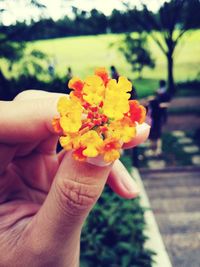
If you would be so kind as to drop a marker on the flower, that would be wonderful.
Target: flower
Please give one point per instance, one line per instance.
(78, 154)
(137, 112)
(110, 149)
(71, 113)
(97, 117)
(122, 130)
(103, 74)
(70, 141)
(77, 85)
(92, 141)
(56, 125)
(93, 90)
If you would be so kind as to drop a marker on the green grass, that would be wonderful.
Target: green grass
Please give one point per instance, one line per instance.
(85, 53)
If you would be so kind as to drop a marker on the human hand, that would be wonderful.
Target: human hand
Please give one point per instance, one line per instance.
(45, 197)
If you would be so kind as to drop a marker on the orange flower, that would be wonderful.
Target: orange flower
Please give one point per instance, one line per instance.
(110, 149)
(56, 125)
(77, 85)
(78, 154)
(136, 112)
(103, 74)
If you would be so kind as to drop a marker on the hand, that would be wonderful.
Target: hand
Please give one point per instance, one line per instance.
(45, 197)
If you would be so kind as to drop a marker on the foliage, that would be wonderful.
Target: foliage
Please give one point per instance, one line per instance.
(32, 63)
(188, 88)
(13, 50)
(67, 52)
(113, 234)
(95, 22)
(173, 15)
(10, 88)
(136, 52)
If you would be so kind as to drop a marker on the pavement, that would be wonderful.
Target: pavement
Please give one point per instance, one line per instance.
(182, 102)
(184, 143)
(175, 199)
(183, 122)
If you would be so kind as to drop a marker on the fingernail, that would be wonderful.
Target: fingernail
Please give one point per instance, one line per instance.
(129, 184)
(142, 128)
(98, 161)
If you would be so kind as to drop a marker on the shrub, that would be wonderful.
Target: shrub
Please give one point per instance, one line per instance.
(113, 234)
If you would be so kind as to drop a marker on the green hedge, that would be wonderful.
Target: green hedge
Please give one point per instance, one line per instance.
(113, 234)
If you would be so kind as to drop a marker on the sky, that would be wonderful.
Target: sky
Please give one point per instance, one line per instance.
(19, 10)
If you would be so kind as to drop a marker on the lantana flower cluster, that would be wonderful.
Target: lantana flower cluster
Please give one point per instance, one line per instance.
(97, 117)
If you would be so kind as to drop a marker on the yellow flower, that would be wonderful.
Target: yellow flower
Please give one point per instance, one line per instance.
(92, 141)
(116, 98)
(70, 141)
(66, 142)
(122, 130)
(93, 90)
(71, 112)
(67, 105)
(70, 124)
(124, 85)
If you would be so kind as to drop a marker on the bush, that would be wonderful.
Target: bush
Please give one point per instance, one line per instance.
(10, 88)
(188, 88)
(113, 234)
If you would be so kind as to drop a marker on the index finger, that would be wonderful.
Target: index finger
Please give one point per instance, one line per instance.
(29, 118)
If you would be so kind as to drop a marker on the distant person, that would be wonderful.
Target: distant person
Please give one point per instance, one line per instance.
(69, 73)
(69, 76)
(114, 73)
(51, 69)
(156, 116)
(164, 99)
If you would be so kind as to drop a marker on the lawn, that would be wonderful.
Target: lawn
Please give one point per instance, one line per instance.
(84, 53)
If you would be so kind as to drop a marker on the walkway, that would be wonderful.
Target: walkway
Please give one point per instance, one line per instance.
(175, 199)
(182, 102)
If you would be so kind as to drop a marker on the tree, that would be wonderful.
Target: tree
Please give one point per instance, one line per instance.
(10, 49)
(136, 52)
(172, 21)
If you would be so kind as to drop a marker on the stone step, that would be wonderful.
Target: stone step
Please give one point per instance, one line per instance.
(179, 222)
(154, 180)
(175, 205)
(169, 191)
(175, 200)
(171, 174)
(183, 249)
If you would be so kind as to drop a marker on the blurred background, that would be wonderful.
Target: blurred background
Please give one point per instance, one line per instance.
(156, 44)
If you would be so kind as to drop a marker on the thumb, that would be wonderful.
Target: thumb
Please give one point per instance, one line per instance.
(74, 191)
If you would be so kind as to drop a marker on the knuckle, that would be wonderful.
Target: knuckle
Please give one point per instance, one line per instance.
(76, 196)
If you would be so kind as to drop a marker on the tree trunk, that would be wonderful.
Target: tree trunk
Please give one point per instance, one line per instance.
(170, 69)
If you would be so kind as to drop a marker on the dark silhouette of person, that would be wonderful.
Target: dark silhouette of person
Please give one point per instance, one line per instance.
(156, 115)
(69, 76)
(69, 73)
(164, 99)
(114, 73)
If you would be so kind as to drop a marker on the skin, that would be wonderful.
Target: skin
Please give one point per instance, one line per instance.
(45, 197)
